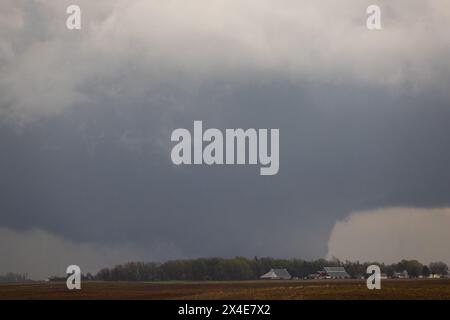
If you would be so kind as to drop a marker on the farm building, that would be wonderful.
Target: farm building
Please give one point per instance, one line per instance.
(401, 275)
(276, 274)
(336, 273)
(330, 273)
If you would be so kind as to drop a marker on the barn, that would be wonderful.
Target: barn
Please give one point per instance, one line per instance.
(336, 273)
(276, 274)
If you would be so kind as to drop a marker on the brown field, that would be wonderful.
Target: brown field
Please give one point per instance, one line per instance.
(298, 289)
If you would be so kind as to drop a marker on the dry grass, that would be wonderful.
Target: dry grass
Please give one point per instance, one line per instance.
(309, 289)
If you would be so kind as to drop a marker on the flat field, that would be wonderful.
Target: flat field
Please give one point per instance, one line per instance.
(294, 289)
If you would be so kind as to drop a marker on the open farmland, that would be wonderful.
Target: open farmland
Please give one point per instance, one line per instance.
(320, 289)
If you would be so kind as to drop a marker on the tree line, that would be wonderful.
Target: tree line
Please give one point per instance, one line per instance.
(14, 277)
(240, 268)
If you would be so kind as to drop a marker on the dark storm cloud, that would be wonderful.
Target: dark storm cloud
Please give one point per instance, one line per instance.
(104, 174)
(86, 148)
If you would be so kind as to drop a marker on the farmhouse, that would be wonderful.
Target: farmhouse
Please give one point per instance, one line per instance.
(276, 274)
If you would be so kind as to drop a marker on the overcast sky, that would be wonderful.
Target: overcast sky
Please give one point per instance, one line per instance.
(86, 118)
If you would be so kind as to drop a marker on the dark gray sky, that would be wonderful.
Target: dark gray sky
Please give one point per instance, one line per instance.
(86, 118)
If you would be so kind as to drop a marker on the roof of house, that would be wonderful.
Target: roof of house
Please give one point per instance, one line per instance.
(277, 274)
(336, 272)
